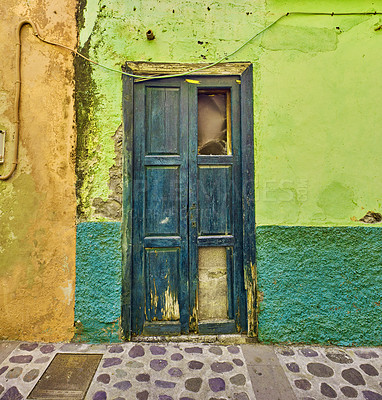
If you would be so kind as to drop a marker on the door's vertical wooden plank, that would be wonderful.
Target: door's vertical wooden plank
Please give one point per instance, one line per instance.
(248, 170)
(239, 302)
(231, 314)
(184, 286)
(128, 110)
(139, 286)
(193, 209)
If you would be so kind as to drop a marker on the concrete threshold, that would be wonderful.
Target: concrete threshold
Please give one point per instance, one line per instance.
(216, 339)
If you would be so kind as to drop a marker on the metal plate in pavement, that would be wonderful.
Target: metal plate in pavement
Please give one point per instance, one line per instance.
(68, 377)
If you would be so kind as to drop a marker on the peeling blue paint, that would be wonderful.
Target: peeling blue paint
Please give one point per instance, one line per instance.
(98, 282)
(320, 285)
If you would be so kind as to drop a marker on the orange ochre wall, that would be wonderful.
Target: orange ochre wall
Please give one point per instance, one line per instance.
(37, 204)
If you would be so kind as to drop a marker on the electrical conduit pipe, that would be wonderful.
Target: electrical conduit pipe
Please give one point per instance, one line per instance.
(17, 96)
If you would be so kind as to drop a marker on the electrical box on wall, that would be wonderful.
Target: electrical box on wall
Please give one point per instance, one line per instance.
(2, 146)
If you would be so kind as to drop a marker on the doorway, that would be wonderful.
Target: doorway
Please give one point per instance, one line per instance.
(189, 201)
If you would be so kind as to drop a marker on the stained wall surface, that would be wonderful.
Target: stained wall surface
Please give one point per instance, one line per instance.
(37, 204)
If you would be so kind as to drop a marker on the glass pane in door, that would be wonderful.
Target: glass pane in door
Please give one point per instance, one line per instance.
(214, 122)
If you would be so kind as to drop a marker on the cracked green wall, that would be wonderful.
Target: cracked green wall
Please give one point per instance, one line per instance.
(115, 32)
(316, 92)
(317, 117)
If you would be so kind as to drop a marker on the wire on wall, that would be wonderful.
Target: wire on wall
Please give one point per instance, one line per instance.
(76, 53)
(227, 56)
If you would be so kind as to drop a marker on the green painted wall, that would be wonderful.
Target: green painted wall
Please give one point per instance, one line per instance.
(98, 282)
(320, 285)
(316, 96)
(114, 32)
(317, 119)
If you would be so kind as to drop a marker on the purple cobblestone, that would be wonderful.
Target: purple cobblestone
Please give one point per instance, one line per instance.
(158, 365)
(165, 384)
(216, 384)
(194, 350)
(176, 357)
(157, 350)
(176, 372)
(100, 395)
(3, 369)
(109, 362)
(136, 351)
(12, 394)
(143, 395)
(28, 346)
(116, 349)
(233, 349)
(104, 378)
(47, 348)
(123, 385)
(22, 359)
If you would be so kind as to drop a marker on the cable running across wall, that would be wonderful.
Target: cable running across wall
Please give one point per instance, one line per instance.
(145, 77)
(226, 57)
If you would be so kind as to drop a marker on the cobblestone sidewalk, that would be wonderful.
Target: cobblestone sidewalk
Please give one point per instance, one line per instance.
(189, 371)
(333, 373)
(142, 371)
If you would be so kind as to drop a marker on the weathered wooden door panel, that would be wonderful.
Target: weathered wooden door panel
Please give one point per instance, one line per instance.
(163, 118)
(214, 199)
(187, 272)
(160, 270)
(162, 296)
(162, 200)
(216, 175)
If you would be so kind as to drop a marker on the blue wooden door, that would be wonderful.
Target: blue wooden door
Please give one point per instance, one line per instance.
(187, 207)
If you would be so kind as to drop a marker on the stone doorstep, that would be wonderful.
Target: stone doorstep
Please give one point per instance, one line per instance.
(216, 339)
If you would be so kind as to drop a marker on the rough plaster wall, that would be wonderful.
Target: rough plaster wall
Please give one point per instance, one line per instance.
(320, 285)
(112, 207)
(317, 118)
(37, 205)
(98, 281)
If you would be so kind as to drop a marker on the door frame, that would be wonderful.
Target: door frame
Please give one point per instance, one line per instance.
(245, 73)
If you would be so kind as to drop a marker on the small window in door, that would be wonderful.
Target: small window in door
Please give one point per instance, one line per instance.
(214, 122)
